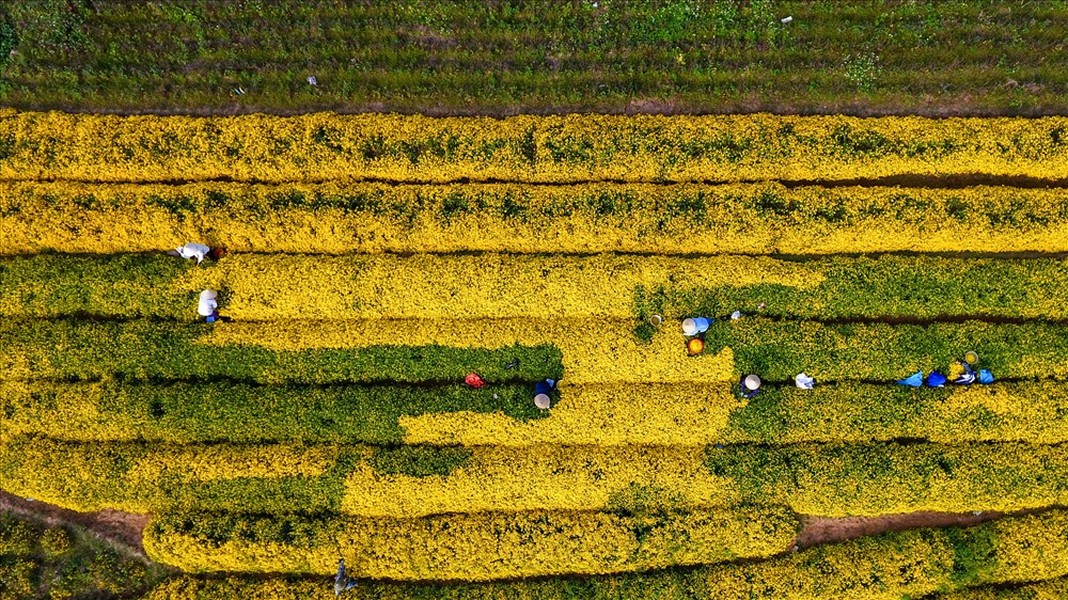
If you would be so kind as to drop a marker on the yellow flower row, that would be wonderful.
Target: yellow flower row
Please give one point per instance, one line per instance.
(904, 564)
(469, 547)
(276, 287)
(594, 350)
(570, 148)
(598, 217)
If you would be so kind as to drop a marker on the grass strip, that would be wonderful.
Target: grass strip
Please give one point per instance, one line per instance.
(549, 149)
(467, 547)
(891, 565)
(333, 218)
(541, 56)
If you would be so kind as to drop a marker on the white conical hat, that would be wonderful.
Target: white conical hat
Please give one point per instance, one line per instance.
(208, 295)
(542, 401)
(689, 327)
(752, 382)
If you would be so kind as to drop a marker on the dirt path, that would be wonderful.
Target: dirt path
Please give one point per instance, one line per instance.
(122, 530)
(822, 530)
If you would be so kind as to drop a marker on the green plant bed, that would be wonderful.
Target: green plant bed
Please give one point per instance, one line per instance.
(148, 350)
(237, 412)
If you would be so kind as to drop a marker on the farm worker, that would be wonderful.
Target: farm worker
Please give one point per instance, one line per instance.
(936, 380)
(985, 376)
(967, 377)
(342, 582)
(749, 386)
(695, 325)
(194, 250)
(208, 305)
(803, 381)
(474, 380)
(542, 389)
(915, 380)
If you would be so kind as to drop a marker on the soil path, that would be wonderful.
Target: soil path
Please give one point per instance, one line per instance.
(121, 529)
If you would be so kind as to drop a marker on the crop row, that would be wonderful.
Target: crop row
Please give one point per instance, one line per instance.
(601, 217)
(558, 149)
(535, 57)
(905, 564)
(495, 286)
(690, 414)
(474, 547)
(340, 351)
(159, 350)
(354, 351)
(412, 481)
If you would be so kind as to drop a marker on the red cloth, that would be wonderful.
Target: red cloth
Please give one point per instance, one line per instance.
(474, 380)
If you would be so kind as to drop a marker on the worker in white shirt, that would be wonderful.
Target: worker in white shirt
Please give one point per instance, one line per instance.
(193, 250)
(208, 305)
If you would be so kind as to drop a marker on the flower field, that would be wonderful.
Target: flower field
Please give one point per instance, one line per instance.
(374, 262)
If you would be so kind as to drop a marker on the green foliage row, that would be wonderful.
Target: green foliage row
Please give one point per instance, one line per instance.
(184, 412)
(146, 350)
(1053, 589)
(438, 56)
(815, 479)
(1029, 411)
(839, 480)
(124, 285)
(906, 564)
(923, 287)
(884, 352)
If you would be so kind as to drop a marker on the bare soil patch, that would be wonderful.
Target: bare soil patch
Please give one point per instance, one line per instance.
(121, 529)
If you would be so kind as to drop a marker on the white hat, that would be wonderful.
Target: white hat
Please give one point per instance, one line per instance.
(752, 382)
(208, 295)
(542, 401)
(689, 327)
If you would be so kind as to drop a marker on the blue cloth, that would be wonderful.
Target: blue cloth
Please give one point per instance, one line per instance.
(936, 379)
(544, 387)
(914, 380)
(985, 376)
(211, 319)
